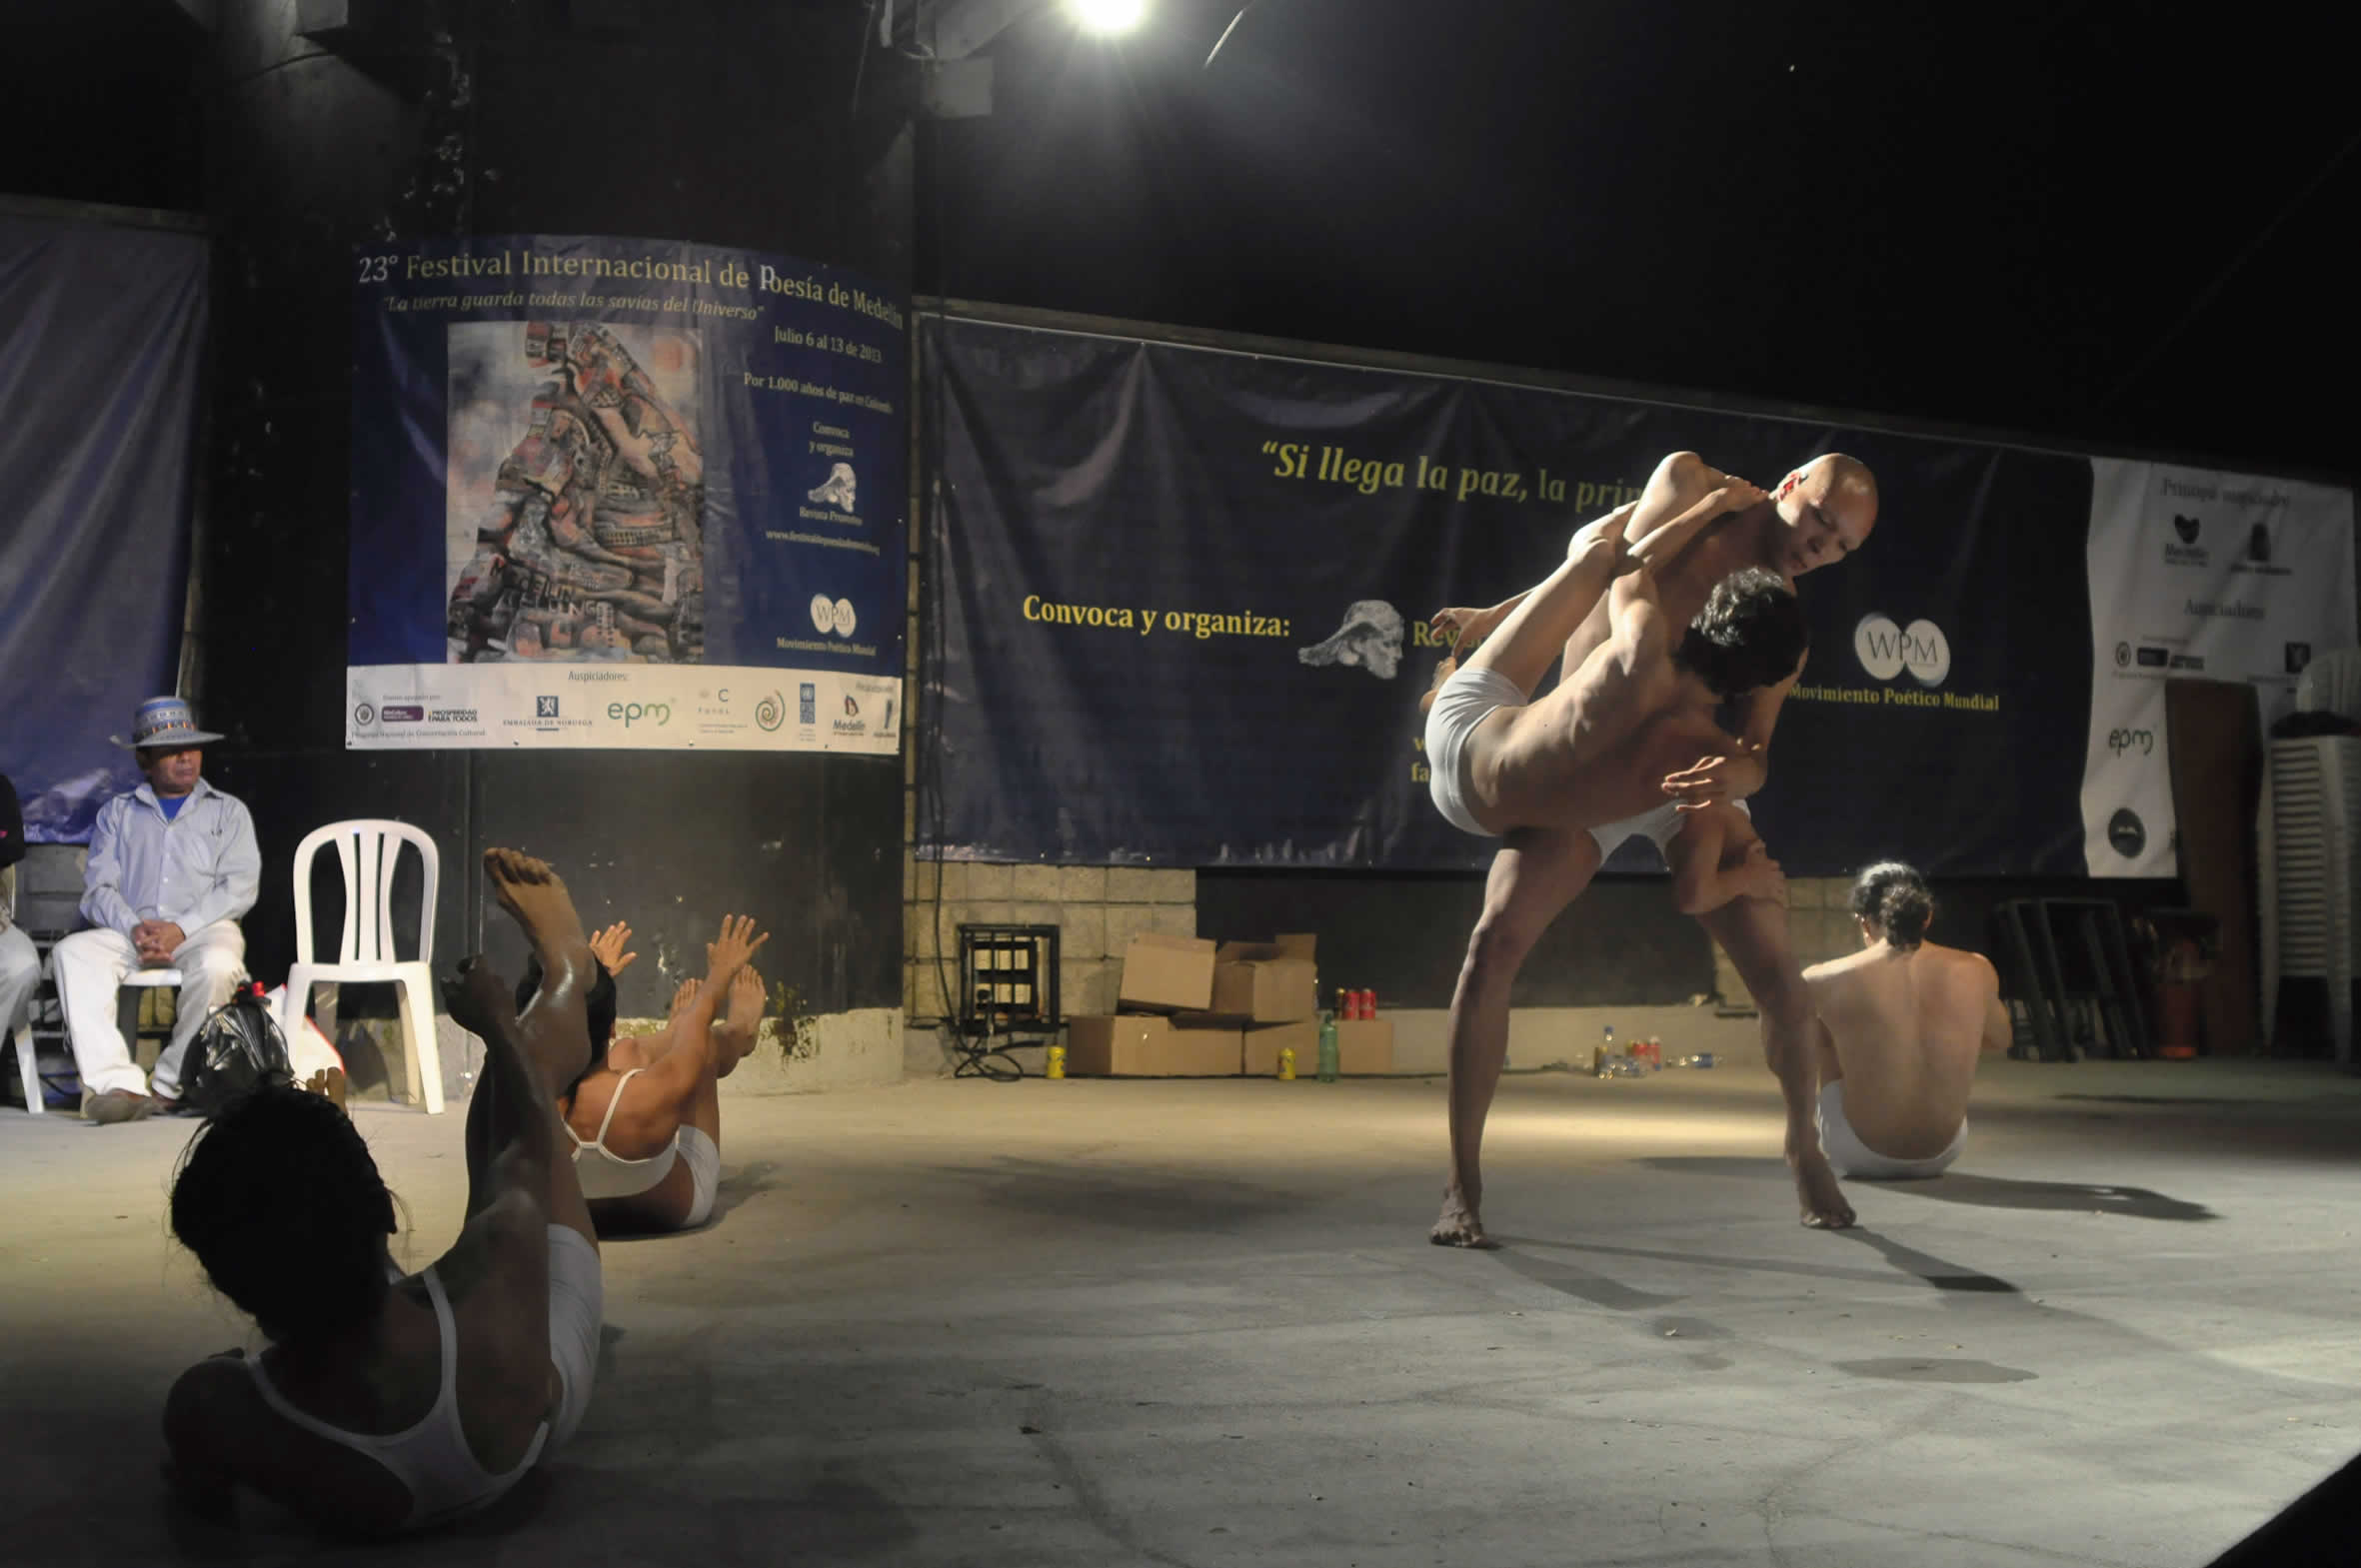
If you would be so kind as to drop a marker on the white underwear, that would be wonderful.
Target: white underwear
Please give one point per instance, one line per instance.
(1465, 700)
(1852, 1157)
(576, 1303)
(1659, 825)
(703, 1159)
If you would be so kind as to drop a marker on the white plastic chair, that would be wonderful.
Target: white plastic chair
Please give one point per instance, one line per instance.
(368, 848)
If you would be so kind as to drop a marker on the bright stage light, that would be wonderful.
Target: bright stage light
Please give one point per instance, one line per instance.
(1108, 17)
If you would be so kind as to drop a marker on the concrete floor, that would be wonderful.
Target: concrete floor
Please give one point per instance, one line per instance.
(1103, 1323)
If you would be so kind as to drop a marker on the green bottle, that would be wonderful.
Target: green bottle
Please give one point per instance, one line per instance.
(1327, 1047)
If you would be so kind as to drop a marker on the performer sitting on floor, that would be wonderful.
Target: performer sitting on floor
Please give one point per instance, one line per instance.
(388, 1401)
(645, 1117)
(1903, 1024)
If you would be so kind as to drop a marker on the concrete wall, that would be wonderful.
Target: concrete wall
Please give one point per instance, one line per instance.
(1098, 910)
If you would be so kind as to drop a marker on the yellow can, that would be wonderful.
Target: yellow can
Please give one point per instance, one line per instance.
(1055, 1066)
(1287, 1064)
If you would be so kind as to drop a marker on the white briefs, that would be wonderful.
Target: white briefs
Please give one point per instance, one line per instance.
(1852, 1157)
(1464, 702)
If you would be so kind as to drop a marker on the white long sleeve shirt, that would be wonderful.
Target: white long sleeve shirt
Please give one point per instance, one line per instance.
(194, 868)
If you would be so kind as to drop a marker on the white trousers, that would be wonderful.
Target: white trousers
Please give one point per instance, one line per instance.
(20, 975)
(90, 966)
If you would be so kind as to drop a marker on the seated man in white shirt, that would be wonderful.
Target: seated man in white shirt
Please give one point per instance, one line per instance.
(173, 865)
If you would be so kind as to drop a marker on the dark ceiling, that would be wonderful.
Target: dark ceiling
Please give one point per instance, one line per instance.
(2093, 222)
(2090, 222)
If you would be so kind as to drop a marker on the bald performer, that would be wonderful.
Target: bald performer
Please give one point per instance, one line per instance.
(1901, 1025)
(1818, 515)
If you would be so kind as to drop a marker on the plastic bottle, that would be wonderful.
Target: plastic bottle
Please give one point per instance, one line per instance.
(1703, 1058)
(1055, 1066)
(1327, 1047)
(1604, 1055)
(1287, 1065)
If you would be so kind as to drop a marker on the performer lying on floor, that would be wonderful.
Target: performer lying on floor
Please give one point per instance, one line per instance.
(1903, 1024)
(386, 1401)
(645, 1119)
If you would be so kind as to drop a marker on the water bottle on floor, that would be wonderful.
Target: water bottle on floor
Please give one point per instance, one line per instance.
(1603, 1054)
(1327, 1047)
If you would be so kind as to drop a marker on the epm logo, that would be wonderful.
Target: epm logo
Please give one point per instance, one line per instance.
(630, 714)
(1886, 649)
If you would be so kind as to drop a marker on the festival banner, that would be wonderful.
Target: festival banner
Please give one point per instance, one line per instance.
(1184, 596)
(625, 493)
(2194, 573)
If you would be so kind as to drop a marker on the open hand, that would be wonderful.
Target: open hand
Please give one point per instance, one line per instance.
(1465, 628)
(726, 954)
(607, 946)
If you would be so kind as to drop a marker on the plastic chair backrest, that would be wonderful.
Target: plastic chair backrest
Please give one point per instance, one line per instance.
(368, 848)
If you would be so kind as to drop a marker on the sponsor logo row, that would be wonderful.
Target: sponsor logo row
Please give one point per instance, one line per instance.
(769, 713)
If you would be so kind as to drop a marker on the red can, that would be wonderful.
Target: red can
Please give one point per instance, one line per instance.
(1368, 1004)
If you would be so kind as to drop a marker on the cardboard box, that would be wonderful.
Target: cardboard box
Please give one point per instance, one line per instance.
(1262, 1041)
(1134, 1045)
(1267, 983)
(1167, 974)
(1362, 1045)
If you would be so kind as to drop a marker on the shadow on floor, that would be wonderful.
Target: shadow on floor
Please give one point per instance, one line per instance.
(1114, 1195)
(1956, 1187)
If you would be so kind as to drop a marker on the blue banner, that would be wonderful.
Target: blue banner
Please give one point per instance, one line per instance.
(625, 493)
(1184, 597)
(105, 328)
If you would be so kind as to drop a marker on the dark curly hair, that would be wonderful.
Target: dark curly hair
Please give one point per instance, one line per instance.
(1894, 897)
(598, 1005)
(280, 1199)
(1749, 634)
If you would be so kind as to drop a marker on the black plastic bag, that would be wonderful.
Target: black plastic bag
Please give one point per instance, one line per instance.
(235, 1051)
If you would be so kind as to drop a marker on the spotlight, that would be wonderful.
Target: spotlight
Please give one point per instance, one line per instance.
(1108, 17)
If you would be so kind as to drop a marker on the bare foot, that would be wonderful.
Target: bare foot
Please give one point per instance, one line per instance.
(1824, 1207)
(1459, 1226)
(746, 1001)
(536, 898)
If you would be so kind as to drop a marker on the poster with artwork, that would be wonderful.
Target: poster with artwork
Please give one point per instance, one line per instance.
(625, 493)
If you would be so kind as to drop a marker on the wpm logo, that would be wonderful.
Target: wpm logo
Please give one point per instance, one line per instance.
(1886, 649)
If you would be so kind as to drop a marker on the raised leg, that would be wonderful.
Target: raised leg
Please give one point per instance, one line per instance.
(1753, 931)
(1533, 877)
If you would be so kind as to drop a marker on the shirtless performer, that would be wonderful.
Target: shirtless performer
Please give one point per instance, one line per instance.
(1818, 514)
(645, 1119)
(1903, 1024)
(384, 1401)
(1597, 749)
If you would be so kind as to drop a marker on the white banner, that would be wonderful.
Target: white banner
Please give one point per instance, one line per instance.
(643, 706)
(2194, 573)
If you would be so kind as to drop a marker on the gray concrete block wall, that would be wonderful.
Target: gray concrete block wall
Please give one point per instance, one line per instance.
(1818, 927)
(1098, 910)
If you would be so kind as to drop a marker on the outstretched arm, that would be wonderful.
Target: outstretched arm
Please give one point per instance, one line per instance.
(686, 1054)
